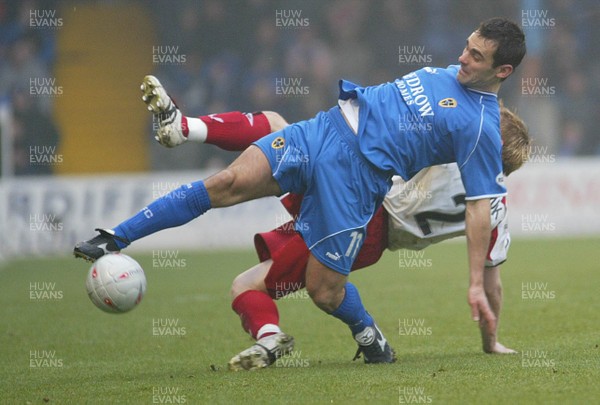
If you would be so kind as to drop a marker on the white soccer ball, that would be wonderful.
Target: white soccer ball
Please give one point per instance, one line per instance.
(116, 283)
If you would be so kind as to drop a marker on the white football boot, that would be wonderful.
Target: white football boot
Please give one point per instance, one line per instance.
(169, 117)
(263, 353)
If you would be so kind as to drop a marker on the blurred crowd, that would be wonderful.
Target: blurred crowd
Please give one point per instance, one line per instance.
(27, 56)
(288, 55)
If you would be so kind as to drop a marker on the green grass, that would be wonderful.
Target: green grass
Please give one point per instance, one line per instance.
(104, 358)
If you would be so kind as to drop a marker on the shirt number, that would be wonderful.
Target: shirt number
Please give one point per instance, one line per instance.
(423, 218)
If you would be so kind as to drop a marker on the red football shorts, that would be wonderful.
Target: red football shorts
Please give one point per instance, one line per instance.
(289, 252)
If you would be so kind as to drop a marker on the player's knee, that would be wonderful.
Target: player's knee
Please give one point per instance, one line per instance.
(276, 121)
(252, 279)
(225, 179)
(221, 187)
(237, 287)
(324, 298)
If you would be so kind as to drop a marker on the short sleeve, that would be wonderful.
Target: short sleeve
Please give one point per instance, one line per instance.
(479, 160)
(500, 238)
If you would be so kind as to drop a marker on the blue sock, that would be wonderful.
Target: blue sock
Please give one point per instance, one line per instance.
(176, 208)
(352, 312)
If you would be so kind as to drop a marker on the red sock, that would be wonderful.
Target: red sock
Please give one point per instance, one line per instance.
(255, 309)
(235, 130)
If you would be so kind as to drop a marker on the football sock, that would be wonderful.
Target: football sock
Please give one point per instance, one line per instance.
(233, 131)
(173, 209)
(352, 312)
(257, 312)
(194, 129)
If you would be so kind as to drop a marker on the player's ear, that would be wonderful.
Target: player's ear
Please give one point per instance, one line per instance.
(503, 71)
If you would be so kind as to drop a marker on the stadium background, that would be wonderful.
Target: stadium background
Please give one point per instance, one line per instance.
(77, 148)
(77, 152)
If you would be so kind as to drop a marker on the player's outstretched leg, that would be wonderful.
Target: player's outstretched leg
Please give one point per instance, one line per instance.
(247, 178)
(173, 209)
(232, 131)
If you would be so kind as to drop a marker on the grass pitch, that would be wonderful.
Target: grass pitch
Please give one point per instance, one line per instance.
(56, 347)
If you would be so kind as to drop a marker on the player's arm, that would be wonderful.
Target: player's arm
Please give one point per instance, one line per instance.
(478, 228)
(497, 254)
(493, 290)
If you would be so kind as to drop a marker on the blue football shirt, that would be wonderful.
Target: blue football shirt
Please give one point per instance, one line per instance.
(428, 118)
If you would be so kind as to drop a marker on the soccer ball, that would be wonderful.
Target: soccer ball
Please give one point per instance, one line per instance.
(116, 283)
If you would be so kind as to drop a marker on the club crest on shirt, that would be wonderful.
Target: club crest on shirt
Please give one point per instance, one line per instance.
(278, 143)
(500, 179)
(448, 103)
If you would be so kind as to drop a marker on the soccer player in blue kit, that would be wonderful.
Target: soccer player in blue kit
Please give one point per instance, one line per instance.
(342, 162)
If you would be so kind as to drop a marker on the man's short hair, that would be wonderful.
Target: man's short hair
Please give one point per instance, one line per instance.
(508, 36)
(516, 143)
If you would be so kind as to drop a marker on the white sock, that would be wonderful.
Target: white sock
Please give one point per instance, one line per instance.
(267, 328)
(197, 130)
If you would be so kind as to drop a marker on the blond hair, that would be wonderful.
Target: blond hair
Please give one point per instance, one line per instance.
(516, 143)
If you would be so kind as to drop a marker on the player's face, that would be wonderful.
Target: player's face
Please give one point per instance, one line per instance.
(476, 62)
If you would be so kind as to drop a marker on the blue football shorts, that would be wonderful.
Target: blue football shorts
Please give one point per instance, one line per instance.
(320, 158)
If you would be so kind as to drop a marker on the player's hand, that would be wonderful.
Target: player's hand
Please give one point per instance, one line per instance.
(480, 309)
(499, 348)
